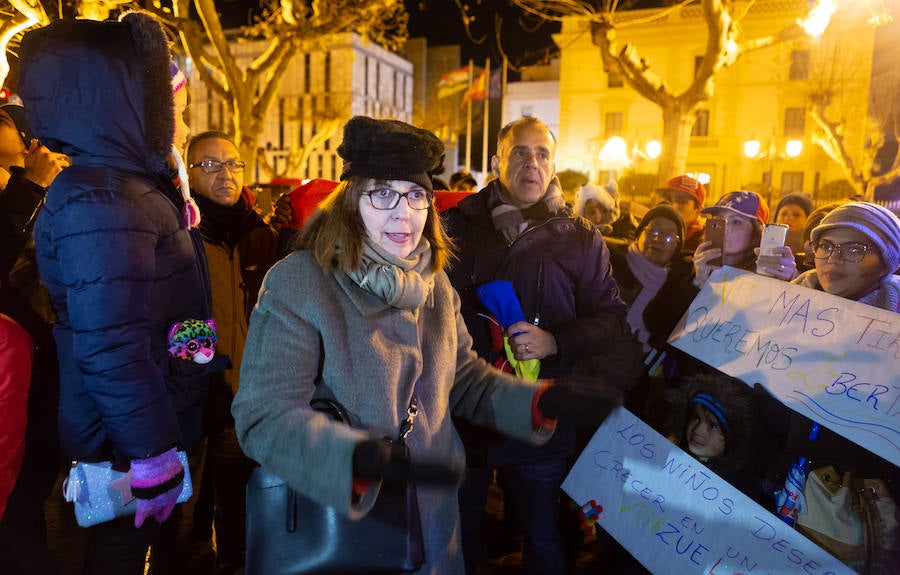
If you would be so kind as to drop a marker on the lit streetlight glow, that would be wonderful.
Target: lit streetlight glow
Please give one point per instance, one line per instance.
(818, 18)
(653, 149)
(793, 148)
(614, 152)
(751, 148)
(701, 177)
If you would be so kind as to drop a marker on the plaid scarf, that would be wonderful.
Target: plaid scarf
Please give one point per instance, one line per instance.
(511, 221)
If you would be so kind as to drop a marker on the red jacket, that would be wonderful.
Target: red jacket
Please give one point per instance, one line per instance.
(16, 353)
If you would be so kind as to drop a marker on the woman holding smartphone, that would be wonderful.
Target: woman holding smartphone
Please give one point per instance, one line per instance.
(733, 230)
(744, 214)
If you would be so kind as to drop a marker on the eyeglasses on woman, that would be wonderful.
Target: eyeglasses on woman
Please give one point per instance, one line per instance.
(851, 252)
(387, 199)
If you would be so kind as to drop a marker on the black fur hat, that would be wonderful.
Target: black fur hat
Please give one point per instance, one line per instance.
(389, 150)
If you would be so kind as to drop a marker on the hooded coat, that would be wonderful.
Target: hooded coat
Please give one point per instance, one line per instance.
(112, 247)
(739, 464)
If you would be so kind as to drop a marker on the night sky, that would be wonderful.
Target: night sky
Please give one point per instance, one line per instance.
(525, 40)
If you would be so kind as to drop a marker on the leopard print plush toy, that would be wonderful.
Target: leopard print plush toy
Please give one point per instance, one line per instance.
(193, 339)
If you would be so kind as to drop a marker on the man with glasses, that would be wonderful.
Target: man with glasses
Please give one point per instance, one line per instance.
(240, 248)
(519, 229)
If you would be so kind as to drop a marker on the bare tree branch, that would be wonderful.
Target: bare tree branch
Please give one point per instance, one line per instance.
(679, 110)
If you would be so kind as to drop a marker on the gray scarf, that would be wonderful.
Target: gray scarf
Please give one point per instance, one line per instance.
(885, 296)
(403, 283)
(511, 221)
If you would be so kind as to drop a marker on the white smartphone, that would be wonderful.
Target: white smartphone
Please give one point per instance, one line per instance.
(773, 238)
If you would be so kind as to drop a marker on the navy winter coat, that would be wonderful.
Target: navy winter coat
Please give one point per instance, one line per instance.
(560, 271)
(112, 247)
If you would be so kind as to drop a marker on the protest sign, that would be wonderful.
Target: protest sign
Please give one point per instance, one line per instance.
(831, 359)
(676, 516)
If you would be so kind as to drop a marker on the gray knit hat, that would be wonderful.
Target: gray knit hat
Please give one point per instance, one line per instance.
(878, 223)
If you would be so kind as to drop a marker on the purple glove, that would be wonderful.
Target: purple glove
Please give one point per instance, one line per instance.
(156, 484)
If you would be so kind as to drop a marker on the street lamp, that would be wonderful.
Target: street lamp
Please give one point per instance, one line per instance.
(752, 149)
(614, 152)
(653, 149)
(613, 156)
(793, 148)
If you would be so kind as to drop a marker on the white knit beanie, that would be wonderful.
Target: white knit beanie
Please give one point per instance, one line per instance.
(599, 193)
(878, 223)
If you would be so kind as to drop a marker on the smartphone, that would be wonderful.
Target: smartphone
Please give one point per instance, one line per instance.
(715, 233)
(773, 238)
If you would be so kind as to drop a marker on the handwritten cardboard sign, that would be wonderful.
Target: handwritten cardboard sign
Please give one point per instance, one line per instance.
(831, 359)
(676, 516)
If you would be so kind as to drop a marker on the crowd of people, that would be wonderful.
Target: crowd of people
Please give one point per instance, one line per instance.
(377, 305)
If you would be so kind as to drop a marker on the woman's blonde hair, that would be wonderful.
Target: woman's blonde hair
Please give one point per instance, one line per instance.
(335, 232)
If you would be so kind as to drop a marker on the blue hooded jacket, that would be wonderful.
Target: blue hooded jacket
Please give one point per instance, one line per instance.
(112, 247)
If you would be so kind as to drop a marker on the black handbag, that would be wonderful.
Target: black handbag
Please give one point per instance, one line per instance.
(288, 534)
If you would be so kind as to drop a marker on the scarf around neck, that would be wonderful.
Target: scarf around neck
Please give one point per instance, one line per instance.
(651, 277)
(403, 283)
(885, 296)
(220, 222)
(510, 220)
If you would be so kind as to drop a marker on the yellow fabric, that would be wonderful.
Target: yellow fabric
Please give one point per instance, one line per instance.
(528, 369)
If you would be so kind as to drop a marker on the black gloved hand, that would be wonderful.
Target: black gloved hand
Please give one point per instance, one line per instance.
(577, 404)
(380, 458)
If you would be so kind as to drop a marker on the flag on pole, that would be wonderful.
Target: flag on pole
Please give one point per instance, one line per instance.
(478, 90)
(453, 82)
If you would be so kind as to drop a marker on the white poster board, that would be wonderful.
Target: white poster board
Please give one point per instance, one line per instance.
(676, 516)
(831, 359)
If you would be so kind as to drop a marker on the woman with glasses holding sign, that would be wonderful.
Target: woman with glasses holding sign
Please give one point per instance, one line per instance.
(856, 250)
(362, 314)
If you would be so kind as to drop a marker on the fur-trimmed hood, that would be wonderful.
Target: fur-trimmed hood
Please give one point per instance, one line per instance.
(741, 412)
(100, 91)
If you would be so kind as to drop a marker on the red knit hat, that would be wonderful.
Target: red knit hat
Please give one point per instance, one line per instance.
(685, 184)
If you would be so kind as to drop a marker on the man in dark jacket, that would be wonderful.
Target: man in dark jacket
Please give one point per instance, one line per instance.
(240, 249)
(120, 264)
(518, 229)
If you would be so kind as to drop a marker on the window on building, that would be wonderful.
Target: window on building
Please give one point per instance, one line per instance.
(791, 182)
(307, 80)
(698, 61)
(799, 65)
(280, 123)
(366, 77)
(327, 80)
(701, 125)
(614, 80)
(300, 122)
(378, 80)
(794, 122)
(614, 123)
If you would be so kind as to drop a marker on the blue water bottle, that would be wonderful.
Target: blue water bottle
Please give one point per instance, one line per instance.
(789, 501)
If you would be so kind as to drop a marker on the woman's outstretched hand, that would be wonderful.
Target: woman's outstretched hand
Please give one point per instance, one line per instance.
(383, 459)
(578, 404)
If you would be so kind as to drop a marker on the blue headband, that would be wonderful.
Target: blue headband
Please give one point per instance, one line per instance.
(710, 403)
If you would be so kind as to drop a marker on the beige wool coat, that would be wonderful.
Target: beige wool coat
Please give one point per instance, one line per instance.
(318, 334)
